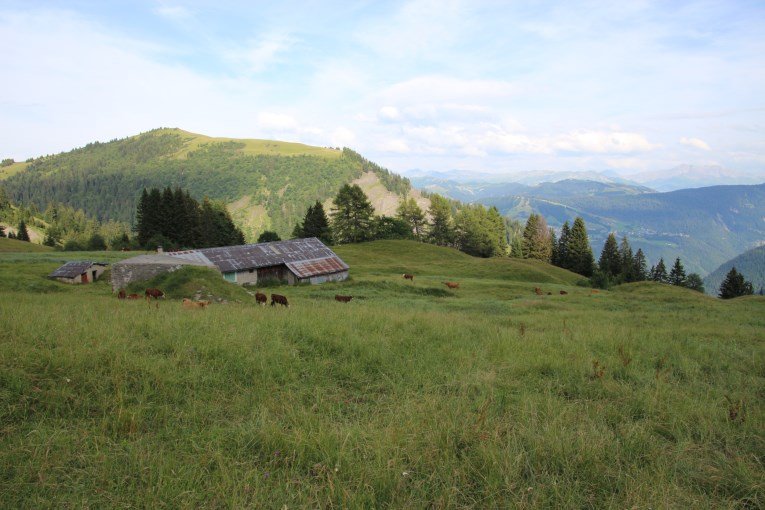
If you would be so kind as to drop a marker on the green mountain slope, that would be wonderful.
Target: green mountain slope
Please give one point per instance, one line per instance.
(703, 226)
(750, 263)
(268, 184)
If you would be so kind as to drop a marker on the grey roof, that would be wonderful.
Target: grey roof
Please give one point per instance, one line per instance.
(162, 260)
(74, 268)
(252, 256)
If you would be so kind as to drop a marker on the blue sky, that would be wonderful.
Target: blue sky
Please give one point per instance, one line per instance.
(494, 86)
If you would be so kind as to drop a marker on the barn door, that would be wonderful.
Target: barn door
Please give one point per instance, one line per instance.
(84, 278)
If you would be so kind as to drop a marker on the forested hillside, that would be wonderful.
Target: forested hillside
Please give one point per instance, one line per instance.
(751, 264)
(269, 184)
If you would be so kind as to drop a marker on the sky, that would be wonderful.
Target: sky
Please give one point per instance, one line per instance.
(478, 86)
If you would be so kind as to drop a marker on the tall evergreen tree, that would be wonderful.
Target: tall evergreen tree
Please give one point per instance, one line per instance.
(410, 212)
(441, 228)
(554, 248)
(498, 229)
(735, 285)
(562, 258)
(639, 271)
(536, 239)
(578, 249)
(627, 260)
(516, 250)
(677, 274)
(316, 224)
(659, 272)
(352, 215)
(21, 232)
(610, 263)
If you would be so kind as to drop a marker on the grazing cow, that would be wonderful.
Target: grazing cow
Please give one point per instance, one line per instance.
(191, 305)
(121, 294)
(343, 299)
(408, 276)
(538, 291)
(595, 291)
(452, 285)
(277, 298)
(563, 293)
(153, 293)
(134, 296)
(261, 298)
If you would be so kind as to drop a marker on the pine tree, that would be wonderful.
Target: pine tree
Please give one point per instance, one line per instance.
(639, 271)
(536, 239)
(496, 225)
(735, 285)
(659, 272)
(677, 274)
(410, 212)
(578, 249)
(2, 231)
(352, 215)
(554, 245)
(441, 231)
(21, 232)
(316, 224)
(610, 263)
(627, 261)
(516, 250)
(49, 239)
(562, 258)
(11, 235)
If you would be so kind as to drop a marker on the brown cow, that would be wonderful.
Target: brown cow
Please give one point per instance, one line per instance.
(191, 305)
(452, 285)
(153, 293)
(278, 298)
(563, 293)
(261, 298)
(408, 276)
(134, 296)
(121, 294)
(343, 299)
(538, 291)
(595, 291)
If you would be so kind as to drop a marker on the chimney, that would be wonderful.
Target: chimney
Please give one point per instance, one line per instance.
(160, 251)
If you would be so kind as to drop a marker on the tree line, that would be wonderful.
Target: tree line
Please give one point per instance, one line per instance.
(173, 219)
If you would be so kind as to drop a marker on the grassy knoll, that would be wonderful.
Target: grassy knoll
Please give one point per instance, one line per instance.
(193, 141)
(12, 245)
(411, 395)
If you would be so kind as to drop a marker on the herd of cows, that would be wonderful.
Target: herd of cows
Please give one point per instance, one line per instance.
(278, 299)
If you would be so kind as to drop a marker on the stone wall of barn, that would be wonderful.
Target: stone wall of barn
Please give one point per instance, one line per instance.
(247, 277)
(125, 274)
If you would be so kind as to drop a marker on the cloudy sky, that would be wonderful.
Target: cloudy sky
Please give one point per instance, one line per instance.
(493, 86)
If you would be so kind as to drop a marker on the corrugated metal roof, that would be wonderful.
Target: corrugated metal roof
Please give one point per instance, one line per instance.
(308, 268)
(252, 256)
(73, 269)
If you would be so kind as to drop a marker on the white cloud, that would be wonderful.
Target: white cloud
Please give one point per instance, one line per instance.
(696, 143)
(614, 142)
(389, 113)
(277, 121)
(173, 12)
(342, 137)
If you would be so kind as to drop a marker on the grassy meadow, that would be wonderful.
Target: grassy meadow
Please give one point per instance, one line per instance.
(410, 396)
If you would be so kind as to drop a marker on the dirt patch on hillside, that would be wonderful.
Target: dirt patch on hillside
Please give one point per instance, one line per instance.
(385, 202)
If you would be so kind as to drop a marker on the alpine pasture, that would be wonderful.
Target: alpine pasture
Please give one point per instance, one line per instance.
(411, 395)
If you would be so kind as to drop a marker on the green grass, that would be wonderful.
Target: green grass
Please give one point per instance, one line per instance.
(411, 395)
(12, 245)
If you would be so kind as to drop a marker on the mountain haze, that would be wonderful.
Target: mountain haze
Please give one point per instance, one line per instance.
(751, 264)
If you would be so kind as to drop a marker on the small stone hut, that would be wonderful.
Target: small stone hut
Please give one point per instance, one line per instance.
(79, 271)
(145, 267)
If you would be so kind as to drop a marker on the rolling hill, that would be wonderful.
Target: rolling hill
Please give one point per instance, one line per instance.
(751, 264)
(266, 184)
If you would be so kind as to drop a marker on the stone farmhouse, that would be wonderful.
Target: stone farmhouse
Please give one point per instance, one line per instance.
(292, 261)
(79, 271)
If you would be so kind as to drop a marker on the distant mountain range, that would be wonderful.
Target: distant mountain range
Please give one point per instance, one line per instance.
(703, 226)
(671, 179)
